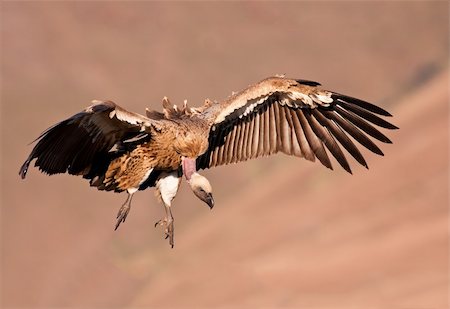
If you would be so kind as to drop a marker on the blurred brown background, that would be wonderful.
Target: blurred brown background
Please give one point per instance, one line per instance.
(285, 233)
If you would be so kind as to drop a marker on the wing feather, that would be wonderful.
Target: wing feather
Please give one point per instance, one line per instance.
(315, 143)
(255, 139)
(363, 125)
(301, 138)
(328, 140)
(367, 115)
(214, 156)
(276, 109)
(272, 129)
(245, 147)
(295, 143)
(249, 143)
(339, 134)
(365, 105)
(295, 117)
(353, 131)
(261, 136)
(285, 132)
(222, 149)
(236, 144)
(81, 144)
(241, 142)
(266, 132)
(231, 145)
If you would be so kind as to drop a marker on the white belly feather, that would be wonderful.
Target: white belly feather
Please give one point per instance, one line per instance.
(167, 186)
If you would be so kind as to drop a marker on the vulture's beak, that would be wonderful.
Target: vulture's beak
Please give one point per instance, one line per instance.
(209, 200)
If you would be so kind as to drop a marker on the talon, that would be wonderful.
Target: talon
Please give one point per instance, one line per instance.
(168, 229)
(123, 212)
(119, 221)
(160, 222)
(122, 215)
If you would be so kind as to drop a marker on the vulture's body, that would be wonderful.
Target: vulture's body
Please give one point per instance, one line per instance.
(122, 151)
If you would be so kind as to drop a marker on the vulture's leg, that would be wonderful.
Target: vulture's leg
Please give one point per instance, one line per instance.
(166, 188)
(124, 210)
(167, 223)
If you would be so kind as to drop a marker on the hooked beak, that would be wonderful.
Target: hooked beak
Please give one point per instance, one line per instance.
(209, 200)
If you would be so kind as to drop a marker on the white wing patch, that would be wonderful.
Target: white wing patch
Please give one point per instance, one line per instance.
(294, 99)
(297, 96)
(122, 114)
(130, 118)
(312, 100)
(322, 98)
(252, 106)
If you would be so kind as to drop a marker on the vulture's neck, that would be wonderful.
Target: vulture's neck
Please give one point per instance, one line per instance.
(189, 167)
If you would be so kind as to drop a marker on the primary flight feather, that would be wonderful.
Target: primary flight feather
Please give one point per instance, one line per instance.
(123, 151)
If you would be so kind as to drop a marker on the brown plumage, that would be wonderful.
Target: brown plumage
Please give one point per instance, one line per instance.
(123, 151)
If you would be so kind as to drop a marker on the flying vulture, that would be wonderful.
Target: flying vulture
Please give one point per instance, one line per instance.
(118, 150)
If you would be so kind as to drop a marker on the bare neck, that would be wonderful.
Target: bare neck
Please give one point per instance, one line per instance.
(189, 167)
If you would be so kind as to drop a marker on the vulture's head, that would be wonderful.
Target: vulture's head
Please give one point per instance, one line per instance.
(202, 189)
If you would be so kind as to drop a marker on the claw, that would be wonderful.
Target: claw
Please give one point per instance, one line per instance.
(168, 229)
(123, 212)
(122, 215)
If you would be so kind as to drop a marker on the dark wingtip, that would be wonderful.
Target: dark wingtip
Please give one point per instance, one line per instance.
(366, 105)
(308, 82)
(24, 169)
(390, 126)
(345, 166)
(375, 149)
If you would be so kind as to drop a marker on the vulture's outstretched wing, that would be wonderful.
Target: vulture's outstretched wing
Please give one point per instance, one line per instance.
(85, 143)
(295, 117)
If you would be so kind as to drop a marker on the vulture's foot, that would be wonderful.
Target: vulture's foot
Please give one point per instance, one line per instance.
(123, 211)
(122, 215)
(167, 223)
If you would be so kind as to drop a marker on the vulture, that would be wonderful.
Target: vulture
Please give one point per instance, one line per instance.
(117, 150)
